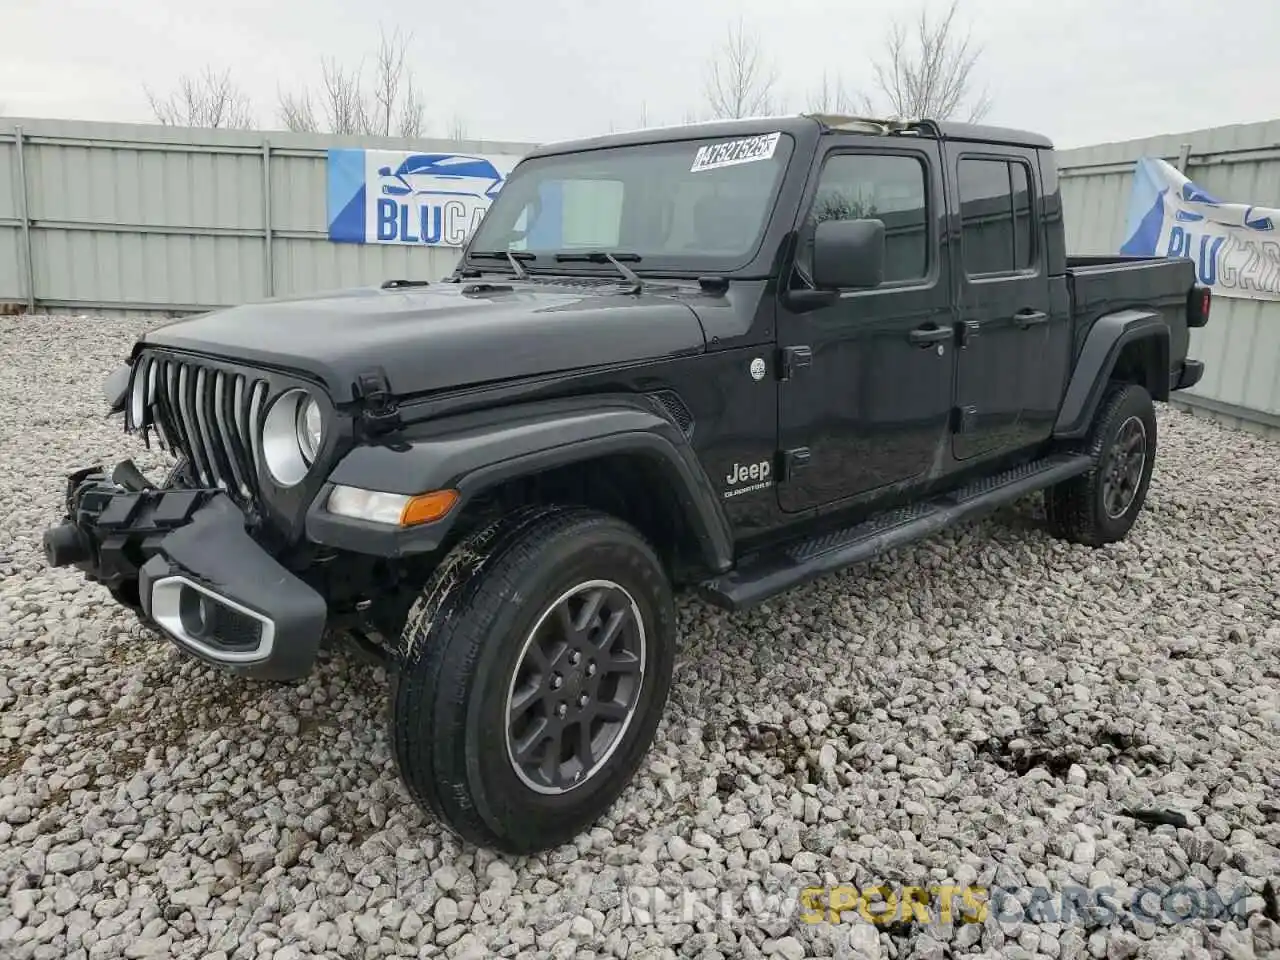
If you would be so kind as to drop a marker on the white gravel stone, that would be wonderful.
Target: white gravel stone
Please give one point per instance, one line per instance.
(446, 912)
(23, 902)
(136, 854)
(980, 708)
(789, 948)
(62, 861)
(192, 897)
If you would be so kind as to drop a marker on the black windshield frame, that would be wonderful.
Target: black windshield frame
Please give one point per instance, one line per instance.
(495, 231)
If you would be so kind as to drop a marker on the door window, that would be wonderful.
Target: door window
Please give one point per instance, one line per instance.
(997, 233)
(885, 187)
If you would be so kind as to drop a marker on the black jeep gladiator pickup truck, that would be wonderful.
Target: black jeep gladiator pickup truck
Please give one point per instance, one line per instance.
(732, 356)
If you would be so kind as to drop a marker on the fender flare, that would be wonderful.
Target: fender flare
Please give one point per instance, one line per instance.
(1105, 341)
(473, 452)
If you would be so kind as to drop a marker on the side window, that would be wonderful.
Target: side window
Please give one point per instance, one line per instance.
(884, 187)
(1023, 234)
(997, 230)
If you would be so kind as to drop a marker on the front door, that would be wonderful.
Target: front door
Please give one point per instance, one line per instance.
(866, 398)
(1003, 293)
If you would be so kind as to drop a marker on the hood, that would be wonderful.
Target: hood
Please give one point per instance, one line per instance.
(443, 335)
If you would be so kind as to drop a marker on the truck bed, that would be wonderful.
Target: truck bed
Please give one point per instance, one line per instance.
(1104, 284)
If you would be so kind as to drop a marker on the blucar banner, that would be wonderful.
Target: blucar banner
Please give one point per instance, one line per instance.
(388, 196)
(1234, 246)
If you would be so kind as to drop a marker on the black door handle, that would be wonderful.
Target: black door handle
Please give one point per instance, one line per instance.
(1029, 318)
(923, 336)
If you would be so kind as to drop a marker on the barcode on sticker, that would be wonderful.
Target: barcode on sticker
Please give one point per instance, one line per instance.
(732, 152)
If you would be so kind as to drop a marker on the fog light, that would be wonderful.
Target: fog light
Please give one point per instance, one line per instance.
(197, 613)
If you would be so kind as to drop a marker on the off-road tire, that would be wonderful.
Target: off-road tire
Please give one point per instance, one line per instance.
(1075, 508)
(460, 649)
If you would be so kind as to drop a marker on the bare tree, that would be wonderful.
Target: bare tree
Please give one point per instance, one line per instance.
(740, 80)
(389, 104)
(458, 127)
(343, 99)
(412, 122)
(831, 97)
(388, 73)
(929, 70)
(397, 106)
(207, 99)
(297, 112)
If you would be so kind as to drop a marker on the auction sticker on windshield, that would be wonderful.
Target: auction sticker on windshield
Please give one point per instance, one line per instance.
(732, 152)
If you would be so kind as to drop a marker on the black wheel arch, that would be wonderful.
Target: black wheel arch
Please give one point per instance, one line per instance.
(541, 444)
(1130, 346)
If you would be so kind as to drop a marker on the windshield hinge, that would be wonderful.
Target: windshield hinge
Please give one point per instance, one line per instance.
(793, 359)
(378, 410)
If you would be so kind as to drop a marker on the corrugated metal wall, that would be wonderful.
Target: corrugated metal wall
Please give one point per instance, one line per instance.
(1241, 344)
(129, 217)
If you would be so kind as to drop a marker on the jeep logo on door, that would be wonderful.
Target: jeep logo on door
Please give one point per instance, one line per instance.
(746, 478)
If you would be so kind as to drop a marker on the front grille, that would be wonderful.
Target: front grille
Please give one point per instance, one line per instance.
(213, 417)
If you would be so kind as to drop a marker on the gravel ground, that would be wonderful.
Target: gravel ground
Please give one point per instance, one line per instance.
(981, 709)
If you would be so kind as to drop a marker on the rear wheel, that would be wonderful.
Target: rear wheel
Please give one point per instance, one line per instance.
(535, 666)
(1101, 506)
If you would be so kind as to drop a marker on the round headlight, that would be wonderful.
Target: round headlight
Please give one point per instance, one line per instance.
(310, 429)
(138, 395)
(283, 447)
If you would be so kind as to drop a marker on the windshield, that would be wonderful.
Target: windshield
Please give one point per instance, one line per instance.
(687, 205)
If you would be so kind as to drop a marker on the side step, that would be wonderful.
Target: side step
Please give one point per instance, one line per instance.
(760, 576)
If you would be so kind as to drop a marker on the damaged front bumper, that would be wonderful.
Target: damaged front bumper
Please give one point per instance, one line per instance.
(184, 560)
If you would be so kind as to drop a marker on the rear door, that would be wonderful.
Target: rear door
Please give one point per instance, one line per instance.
(1003, 293)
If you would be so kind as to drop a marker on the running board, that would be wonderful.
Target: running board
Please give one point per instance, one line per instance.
(759, 576)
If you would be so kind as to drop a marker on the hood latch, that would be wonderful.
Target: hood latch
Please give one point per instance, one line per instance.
(378, 411)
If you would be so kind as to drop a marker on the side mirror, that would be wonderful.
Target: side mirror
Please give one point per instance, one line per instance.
(848, 254)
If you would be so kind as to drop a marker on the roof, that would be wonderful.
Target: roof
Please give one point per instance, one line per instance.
(797, 123)
(712, 129)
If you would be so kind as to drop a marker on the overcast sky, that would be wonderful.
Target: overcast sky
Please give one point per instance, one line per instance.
(1082, 71)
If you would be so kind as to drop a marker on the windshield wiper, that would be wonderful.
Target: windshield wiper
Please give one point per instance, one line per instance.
(604, 256)
(513, 257)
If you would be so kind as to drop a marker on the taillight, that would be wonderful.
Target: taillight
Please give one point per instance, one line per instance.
(1198, 303)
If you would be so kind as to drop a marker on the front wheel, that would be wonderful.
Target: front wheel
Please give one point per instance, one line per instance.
(535, 667)
(1100, 506)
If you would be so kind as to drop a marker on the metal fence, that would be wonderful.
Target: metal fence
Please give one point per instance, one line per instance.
(1241, 344)
(101, 217)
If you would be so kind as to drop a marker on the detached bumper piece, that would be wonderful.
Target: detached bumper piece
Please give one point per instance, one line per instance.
(199, 576)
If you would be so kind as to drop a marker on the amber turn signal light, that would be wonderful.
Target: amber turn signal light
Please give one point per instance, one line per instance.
(427, 507)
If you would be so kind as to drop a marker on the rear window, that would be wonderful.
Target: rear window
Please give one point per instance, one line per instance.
(997, 233)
